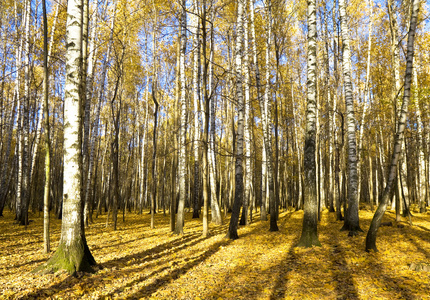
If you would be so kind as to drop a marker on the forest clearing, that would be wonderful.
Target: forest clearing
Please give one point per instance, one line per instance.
(138, 262)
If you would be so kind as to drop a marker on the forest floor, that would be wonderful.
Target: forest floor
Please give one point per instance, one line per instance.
(138, 262)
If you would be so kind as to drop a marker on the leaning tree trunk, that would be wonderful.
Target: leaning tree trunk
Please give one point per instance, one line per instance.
(232, 230)
(399, 138)
(351, 214)
(309, 236)
(72, 253)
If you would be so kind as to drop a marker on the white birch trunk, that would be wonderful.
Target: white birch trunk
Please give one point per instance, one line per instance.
(399, 138)
(309, 236)
(215, 204)
(351, 216)
(195, 31)
(247, 135)
(365, 102)
(179, 229)
(421, 187)
(238, 196)
(73, 253)
(100, 96)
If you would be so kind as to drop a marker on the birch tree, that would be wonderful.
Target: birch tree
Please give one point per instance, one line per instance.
(182, 171)
(309, 235)
(195, 28)
(351, 215)
(238, 196)
(46, 241)
(72, 254)
(399, 137)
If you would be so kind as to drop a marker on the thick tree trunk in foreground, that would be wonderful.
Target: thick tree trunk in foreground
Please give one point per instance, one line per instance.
(309, 236)
(399, 138)
(351, 215)
(72, 253)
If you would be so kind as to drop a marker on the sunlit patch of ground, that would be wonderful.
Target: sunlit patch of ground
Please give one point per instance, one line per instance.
(142, 263)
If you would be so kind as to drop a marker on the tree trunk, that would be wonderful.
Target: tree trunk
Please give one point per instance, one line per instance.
(179, 229)
(360, 165)
(73, 253)
(421, 187)
(309, 235)
(195, 29)
(100, 97)
(46, 241)
(247, 136)
(238, 196)
(351, 215)
(215, 205)
(399, 138)
(154, 154)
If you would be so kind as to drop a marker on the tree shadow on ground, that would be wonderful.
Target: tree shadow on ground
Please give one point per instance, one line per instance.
(342, 274)
(418, 246)
(289, 262)
(373, 263)
(148, 290)
(28, 263)
(132, 263)
(176, 270)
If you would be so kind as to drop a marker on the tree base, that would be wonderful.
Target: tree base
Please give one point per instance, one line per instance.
(308, 240)
(353, 230)
(273, 226)
(370, 244)
(231, 236)
(74, 258)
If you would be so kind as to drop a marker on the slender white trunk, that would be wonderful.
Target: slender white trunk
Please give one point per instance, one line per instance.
(365, 102)
(263, 210)
(100, 97)
(421, 178)
(238, 195)
(215, 205)
(247, 135)
(351, 216)
(183, 119)
(309, 236)
(296, 143)
(195, 31)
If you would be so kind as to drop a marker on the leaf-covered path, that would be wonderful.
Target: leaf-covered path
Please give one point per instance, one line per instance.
(138, 262)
